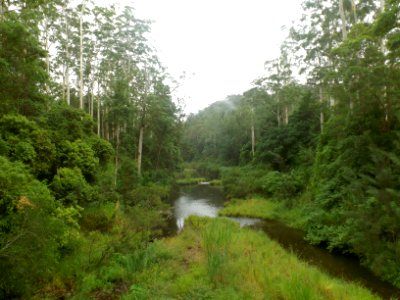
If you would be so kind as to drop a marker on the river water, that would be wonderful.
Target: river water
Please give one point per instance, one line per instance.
(204, 200)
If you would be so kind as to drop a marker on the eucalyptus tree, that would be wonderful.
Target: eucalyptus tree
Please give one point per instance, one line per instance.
(252, 104)
(279, 75)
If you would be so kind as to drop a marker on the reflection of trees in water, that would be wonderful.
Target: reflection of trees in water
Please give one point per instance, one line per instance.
(210, 193)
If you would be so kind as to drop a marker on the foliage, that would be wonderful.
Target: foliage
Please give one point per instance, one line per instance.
(68, 123)
(22, 70)
(24, 141)
(214, 259)
(248, 181)
(79, 154)
(29, 230)
(70, 187)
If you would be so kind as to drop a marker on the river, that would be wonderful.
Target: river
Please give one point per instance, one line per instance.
(204, 200)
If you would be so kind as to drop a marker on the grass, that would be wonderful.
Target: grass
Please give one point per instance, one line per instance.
(263, 209)
(215, 259)
(255, 208)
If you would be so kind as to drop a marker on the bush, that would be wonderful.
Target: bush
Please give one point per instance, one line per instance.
(280, 185)
(102, 149)
(70, 187)
(149, 196)
(242, 182)
(30, 230)
(80, 155)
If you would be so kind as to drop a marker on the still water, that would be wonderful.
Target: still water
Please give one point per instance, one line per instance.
(204, 200)
(201, 200)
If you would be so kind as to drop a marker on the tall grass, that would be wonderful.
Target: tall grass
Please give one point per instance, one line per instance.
(217, 237)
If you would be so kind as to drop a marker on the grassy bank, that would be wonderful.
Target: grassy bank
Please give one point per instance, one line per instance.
(263, 209)
(215, 259)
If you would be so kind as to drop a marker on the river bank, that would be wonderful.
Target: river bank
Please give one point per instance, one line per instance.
(215, 259)
(280, 225)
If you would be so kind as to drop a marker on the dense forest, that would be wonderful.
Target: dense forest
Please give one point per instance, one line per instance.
(327, 145)
(88, 137)
(91, 143)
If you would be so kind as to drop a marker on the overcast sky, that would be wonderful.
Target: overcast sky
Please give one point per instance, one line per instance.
(221, 45)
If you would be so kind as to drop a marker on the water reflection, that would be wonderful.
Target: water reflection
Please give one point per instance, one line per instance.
(203, 201)
(186, 206)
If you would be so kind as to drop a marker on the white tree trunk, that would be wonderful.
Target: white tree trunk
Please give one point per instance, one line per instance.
(81, 57)
(253, 135)
(354, 8)
(67, 83)
(286, 114)
(321, 114)
(117, 132)
(140, 149)
(343, 18)
(98, 113)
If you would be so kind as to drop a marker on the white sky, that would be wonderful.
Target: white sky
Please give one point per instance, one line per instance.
(221, 45)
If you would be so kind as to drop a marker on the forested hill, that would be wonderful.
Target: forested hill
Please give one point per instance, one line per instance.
(88, 139)
(91, 143)
(328, 147)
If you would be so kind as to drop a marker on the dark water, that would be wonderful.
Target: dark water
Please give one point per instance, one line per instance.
(206, 200)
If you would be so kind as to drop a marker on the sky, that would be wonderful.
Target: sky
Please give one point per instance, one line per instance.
(220, 45)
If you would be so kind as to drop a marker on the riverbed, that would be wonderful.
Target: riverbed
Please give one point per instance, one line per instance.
(205, 200)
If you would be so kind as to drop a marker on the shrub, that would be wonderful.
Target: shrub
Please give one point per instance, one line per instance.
(280, 185)
(29, 230)
(80, 155)
(70, 187)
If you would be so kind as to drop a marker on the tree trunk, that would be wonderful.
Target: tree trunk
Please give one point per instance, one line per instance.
(343, 17)
(253, 136)
(106, 128)
(117, 132)
(354, 8)
(67, 60)
(286, 114)
(46, 46)
(91, 102)
(278, 112)
(98, 112)
(140, 149)
(321, 114)
(81, 57)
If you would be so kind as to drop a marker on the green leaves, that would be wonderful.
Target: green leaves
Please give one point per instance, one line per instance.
(28, 230)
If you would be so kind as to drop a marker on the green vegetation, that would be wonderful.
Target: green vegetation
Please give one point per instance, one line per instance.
(90, 140)
(82, 181)
(255, 207)
(326, 150)
(214, 259)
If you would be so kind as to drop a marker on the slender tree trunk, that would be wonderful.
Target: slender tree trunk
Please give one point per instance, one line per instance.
(140, 149)
(253, 136)
(47, 47)
(117, 132)
(106, 127)
(354, 9)
(98, 112)
(91, 101)
(68, 90)
(386, 100)
(343, 18)
(2, 9)
(81, 57)
(278, 111)
(64, 85)
(286, 114)
(321, 114)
